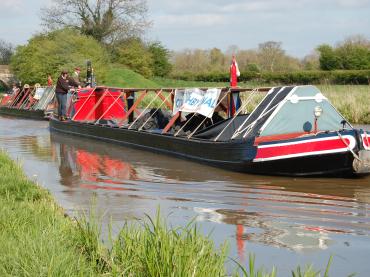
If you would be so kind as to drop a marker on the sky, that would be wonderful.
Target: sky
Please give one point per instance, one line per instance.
(301, 25)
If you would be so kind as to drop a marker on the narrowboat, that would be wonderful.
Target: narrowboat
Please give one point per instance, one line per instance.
(28, 102)
(292, 131)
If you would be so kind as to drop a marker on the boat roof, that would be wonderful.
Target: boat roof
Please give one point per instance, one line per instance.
(272, 105)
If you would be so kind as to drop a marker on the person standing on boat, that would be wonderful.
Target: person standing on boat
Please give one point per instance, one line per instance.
(64, 84)
(15, 89)
(234, 97)
(50, 80)
(76, 76)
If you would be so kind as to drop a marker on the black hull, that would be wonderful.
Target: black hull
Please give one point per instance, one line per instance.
(31, 114)
(235, 156)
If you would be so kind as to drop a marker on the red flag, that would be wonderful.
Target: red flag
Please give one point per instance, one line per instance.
(234, 73)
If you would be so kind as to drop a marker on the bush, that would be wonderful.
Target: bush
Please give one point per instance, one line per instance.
(134, 54)
(52, 52)
(355, 77)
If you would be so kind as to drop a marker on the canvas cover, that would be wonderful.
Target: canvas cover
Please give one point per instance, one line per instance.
(296, 114)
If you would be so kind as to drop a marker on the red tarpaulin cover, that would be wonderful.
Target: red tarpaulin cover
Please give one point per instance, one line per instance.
(109, 106)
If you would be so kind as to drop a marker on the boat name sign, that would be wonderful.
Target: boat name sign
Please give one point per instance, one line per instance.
(196, 101)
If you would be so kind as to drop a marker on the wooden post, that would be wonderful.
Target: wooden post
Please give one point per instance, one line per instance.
(171, 122)
(133, 107)
(96, 104)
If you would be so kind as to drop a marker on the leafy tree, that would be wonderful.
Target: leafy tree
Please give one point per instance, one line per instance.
(6, 51)
(328, 58)
(105, 20)
(217, 59)
(52, 52)
(352, 53)
(134, 54)
(160, 59)
(252, 67)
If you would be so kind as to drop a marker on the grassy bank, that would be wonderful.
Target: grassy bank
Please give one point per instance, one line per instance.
(353, 102)
(37, 239)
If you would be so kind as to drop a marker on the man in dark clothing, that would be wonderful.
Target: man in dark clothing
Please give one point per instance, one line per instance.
(64, 84)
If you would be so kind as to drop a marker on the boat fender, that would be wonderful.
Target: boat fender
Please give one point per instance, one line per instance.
(358, 138)
(362, 165)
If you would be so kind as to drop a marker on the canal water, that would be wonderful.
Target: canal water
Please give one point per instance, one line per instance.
(284, 221)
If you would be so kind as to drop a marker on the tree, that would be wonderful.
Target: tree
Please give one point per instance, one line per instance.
(6, 52)
(328, 58)
(160, 59)
(311, 61)
(106, 20)
(52, 52)
(134, 54)
(352, 53)
(270, 52)
(217, 59)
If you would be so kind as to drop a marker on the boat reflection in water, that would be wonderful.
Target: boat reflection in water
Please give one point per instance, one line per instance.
(299, 215)
(91, 170)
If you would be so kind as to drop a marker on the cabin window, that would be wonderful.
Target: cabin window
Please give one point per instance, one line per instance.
(298, 116)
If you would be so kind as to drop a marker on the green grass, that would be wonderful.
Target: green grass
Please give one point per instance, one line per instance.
(37, 239)
(172, 83)
(125, 78)
(353, 102)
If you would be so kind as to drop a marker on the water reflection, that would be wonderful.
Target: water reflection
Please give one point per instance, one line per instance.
(276, 218)
(91, 170)
(280, 212)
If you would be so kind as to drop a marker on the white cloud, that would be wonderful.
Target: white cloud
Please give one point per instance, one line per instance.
(190, 20)
(12, 6)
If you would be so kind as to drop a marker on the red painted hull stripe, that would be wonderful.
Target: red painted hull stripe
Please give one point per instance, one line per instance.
(302, 147)
(366, 140)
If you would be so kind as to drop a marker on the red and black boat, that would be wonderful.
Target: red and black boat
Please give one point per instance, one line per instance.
(28, 102)
(293, 131)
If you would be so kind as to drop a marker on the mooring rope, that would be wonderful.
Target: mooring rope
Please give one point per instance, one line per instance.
(152, 115)
(254, 91)
(349, 148)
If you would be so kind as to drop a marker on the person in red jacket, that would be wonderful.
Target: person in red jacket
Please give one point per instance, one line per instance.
(64, 84)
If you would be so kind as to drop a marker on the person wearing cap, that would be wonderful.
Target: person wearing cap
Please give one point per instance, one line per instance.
(64, 84)
(76, 76)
